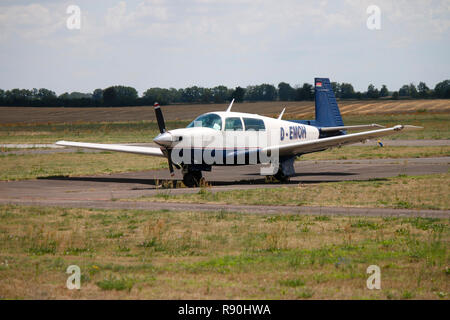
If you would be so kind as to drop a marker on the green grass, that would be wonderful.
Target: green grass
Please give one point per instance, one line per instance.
(30, 166)
(212, 256)
(397, 192)
(375, 152)
(436, 126)
(112, 283)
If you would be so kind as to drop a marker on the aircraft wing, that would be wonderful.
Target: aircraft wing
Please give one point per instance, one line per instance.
(325, 143)
(149, 151)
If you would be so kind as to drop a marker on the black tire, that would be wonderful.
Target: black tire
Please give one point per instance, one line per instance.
(281, 177)
(192, 179)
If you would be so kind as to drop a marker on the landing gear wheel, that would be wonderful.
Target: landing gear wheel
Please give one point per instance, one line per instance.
(192, 178)
(281, 177)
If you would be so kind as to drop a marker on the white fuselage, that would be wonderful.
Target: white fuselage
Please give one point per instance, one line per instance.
(226, 133)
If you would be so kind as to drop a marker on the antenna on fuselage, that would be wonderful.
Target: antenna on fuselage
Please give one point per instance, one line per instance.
(281, 114)
(229, 107)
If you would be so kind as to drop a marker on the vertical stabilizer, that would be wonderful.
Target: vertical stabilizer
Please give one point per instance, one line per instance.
(327, 110)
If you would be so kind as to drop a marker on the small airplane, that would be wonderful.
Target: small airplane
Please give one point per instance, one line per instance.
(235, 138)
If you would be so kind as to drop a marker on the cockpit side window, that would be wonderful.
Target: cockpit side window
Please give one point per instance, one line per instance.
(233, 124)
(252, 124)
(209, 120)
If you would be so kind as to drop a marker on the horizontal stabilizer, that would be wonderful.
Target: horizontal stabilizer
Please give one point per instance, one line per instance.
(356, 127)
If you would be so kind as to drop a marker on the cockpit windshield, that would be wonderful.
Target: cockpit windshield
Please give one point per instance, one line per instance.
(209, 120)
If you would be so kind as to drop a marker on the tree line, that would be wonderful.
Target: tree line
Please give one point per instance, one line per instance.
(128, 96)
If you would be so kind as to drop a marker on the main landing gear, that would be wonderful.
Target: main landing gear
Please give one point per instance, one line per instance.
(285, 169)
(280, 176)
(192, 176)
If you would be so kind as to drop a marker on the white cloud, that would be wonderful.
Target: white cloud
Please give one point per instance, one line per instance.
(28, 21)
(198, 36)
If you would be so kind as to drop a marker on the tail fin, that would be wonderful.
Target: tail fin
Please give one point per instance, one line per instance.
(327, 110)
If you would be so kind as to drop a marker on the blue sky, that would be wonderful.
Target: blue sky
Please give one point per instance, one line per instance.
(234, 42)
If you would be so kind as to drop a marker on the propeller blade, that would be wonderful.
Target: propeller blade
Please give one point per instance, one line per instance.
(169, 159)
(159, 118)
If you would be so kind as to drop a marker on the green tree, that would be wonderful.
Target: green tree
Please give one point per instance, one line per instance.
(160, 95)
(384, 92)
(97, 94)
(336, 89)
(238, 94)
(220, 94)
(305, 92)
(404, 91)
(285, 92)
(347, 91)
(110, 96)
(120, 96)
(395, 95)
(206, 95)
(2, 96)
(423, 90)
(372, 92)
(413, 90)
(268, 92)
(442, 89)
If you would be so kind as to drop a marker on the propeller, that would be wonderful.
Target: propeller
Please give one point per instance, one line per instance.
(159, 118)
(162, 130)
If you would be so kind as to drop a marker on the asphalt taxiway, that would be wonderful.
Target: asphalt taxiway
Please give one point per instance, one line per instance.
(103, 191)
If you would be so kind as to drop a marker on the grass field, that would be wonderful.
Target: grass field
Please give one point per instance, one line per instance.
(105, 132)
(420, 192)
(218, 255)
(436, 126)
(375, 152)
(126, 254)
(30, 166)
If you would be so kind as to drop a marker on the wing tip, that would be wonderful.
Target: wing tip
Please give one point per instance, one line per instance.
(60, 142)
(407, 127)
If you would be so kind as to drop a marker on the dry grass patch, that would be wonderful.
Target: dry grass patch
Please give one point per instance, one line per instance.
(407, 192)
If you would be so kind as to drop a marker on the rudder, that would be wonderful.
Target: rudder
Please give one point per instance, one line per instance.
(327, 110)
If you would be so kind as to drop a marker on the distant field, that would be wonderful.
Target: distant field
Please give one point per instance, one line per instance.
(294, 110)
(136, 254)
(436, 126)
